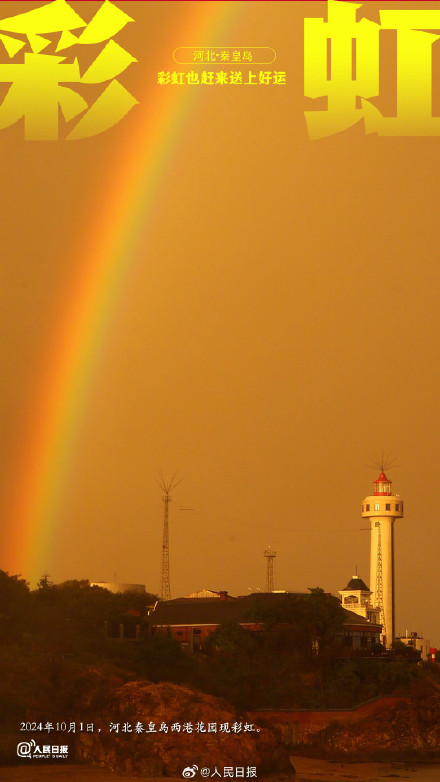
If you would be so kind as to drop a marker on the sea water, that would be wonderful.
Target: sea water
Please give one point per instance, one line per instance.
(314, 770)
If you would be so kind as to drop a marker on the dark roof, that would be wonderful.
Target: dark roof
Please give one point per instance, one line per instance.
(356, 583)
(351, 618)
(210, 600)
(212, 611)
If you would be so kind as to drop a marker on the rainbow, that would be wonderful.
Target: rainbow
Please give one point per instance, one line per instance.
(102, 264)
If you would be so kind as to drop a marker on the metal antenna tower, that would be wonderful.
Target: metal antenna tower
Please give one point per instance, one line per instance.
(167, 487)
(269, 554)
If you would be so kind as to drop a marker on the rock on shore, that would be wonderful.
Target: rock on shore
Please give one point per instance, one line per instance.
(408, 730)
(162, 753)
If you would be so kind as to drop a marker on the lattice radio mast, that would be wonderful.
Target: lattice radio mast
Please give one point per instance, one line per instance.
(270, 555)
(167, 487)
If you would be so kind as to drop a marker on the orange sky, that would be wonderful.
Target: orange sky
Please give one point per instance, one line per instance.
(278, 329)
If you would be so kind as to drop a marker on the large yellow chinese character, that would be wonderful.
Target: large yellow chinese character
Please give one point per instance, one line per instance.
(36, 89)
(341, 61)
(414, 76)
(329, 68)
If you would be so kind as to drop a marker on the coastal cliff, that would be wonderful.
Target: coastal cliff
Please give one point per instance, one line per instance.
(410, 730)
(160, 752)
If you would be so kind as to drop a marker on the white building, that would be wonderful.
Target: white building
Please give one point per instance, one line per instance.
(415, 641)
(116, 588)
(356, 597)
(382, 508)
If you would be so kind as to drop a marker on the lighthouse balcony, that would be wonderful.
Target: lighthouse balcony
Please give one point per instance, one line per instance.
(382, 507)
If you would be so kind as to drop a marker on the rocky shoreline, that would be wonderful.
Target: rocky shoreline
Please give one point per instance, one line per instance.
(409, 731)
(168, 752)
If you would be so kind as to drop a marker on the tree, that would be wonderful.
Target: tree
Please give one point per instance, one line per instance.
(14, 606)
(231, 639)
(401, 650)
(312, 621)
(44, 582)
(326, 618)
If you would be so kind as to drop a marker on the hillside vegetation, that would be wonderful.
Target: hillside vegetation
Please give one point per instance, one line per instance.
(61, 657)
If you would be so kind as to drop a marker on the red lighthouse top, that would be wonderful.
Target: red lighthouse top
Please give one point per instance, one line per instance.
(382, 485)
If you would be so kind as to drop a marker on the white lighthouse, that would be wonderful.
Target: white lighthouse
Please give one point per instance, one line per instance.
(382, 508)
